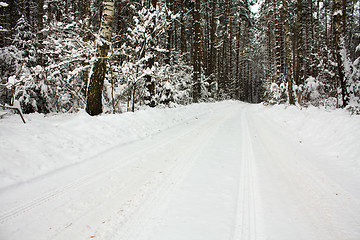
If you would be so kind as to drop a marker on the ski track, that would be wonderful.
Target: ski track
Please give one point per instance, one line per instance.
(128, 191)
(75, 185)
(248, 225)
(133, 206)
(245, 217)
(149, 210)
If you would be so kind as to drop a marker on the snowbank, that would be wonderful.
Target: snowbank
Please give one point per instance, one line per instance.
(330, 138)
(47, 143)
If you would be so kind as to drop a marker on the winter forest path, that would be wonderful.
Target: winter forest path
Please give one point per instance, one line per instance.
(232, 174)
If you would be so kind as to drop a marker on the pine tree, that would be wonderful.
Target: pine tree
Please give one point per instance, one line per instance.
(339, 7)
(197, 53)
(149, 82)
(288, 74)
(300, 75)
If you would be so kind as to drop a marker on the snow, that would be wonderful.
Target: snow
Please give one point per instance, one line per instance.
(255, 8)
(225, 170)
(3, 4)
(331, 138)
(338, 12)
(12, 80)
(48, 143)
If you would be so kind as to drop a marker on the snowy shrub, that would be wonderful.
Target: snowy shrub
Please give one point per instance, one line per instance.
(35, 97)
(48, 78)
(277, 93)
(16, 60)
(313, 91)
(175, 82)
(352, 71)
(141, 76)
(317, 93)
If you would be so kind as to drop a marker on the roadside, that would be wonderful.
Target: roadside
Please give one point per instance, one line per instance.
(214, 171)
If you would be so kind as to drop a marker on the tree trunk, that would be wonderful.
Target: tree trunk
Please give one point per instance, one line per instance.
(94, 100)
(206, 40)
(269, 60)
(212, 57)
(183, 28)
(86, 37)
(226, 46)
(197, 53)
(338, 23)
(243, 64)
(326, 23)
(149, 83)
(279, 42)
(40, 25)
(170, 31)
(237, 75)
(288, 53)
(230, 51)
(299, 76)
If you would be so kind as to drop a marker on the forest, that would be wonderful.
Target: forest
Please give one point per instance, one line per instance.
(180, 119)
(113, 56)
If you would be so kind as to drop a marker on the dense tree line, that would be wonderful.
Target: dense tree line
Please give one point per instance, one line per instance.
(119, 55)
(312, 52)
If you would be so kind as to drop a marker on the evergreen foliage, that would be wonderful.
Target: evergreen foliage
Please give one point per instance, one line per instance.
(168, 52)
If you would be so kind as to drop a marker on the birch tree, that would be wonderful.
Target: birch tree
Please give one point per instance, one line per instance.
(97, 77)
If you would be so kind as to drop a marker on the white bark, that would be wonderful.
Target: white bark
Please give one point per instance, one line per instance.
(94, 101)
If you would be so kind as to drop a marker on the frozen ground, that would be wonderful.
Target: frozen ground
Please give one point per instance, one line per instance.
(219, 171)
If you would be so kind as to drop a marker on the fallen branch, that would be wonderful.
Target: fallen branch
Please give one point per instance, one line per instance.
(2, 114)
(16, 109)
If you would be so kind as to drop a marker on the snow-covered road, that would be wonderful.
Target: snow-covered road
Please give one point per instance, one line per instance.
(233, 173)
